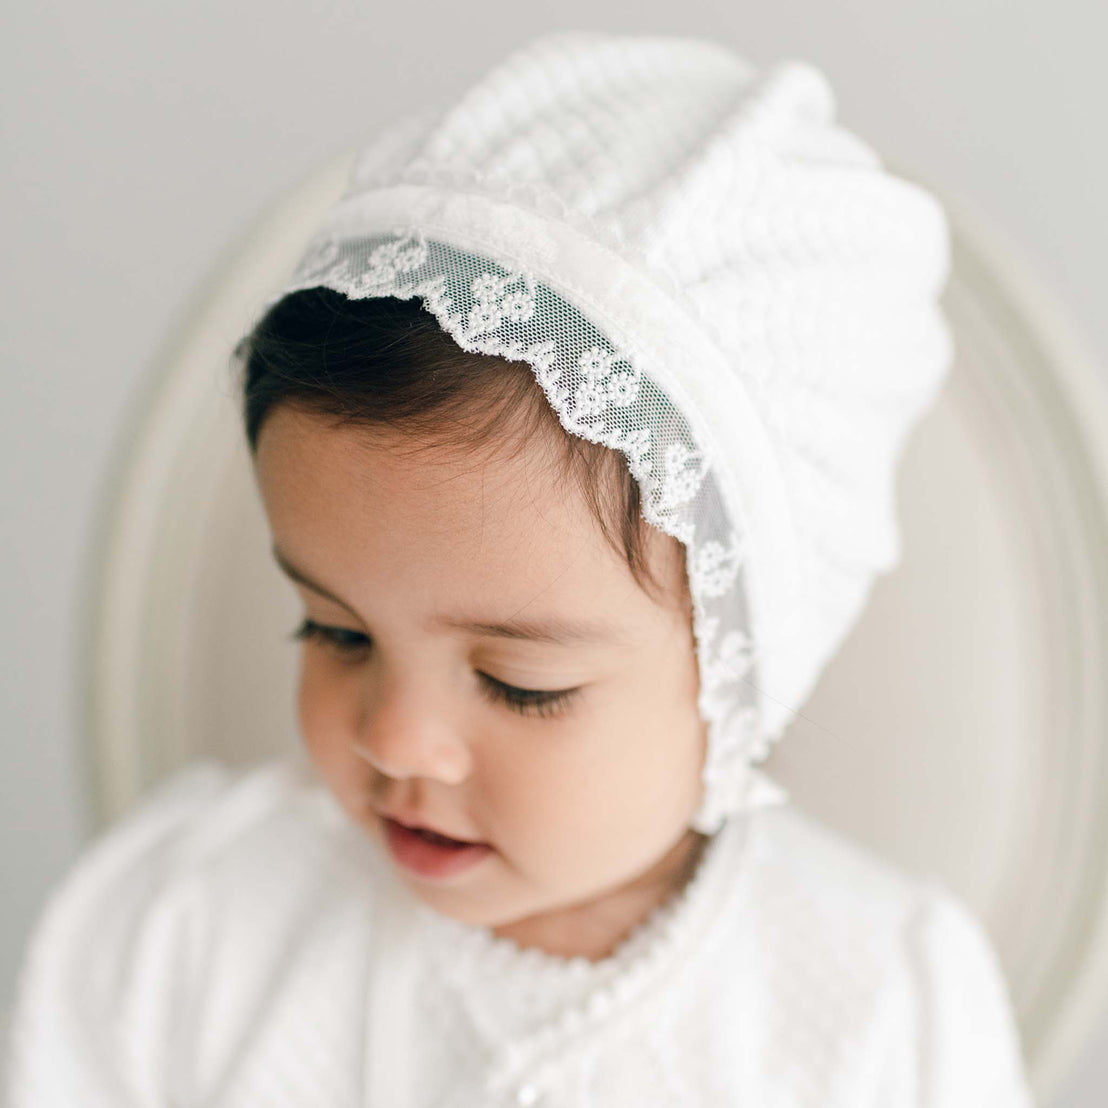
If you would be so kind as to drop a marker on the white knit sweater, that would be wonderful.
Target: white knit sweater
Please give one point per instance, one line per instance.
(238, 941)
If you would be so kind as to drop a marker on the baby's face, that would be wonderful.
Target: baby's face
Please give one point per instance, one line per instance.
(578, 800)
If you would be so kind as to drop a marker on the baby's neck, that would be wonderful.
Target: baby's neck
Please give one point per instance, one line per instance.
(596, 929)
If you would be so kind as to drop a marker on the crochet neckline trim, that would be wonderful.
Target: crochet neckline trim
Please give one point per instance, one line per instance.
(587, 998)
(661, 927)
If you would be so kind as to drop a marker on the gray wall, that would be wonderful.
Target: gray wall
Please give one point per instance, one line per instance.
(139, 137)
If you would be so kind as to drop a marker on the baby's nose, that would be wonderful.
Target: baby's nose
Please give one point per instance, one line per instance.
(412, 741)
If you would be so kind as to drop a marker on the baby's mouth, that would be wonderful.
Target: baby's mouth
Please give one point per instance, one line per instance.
(431, 835)
(442, 840)
(429, 854)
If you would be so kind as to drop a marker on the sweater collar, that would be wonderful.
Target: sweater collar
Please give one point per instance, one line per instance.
(535, 1000)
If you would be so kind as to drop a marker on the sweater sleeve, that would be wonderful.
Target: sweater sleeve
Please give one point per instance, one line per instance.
(94, 996)
(969, 1046)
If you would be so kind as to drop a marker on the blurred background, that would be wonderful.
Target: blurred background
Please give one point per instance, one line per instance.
(141, 139)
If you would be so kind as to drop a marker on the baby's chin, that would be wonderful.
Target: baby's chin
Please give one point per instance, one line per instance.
(481, 901)
(489, 895)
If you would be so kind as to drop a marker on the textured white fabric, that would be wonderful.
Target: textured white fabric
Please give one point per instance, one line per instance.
(219, 947)
(709, 274)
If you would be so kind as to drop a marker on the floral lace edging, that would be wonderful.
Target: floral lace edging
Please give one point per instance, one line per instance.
(597, 394)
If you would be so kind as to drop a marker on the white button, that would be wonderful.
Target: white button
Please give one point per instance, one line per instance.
(527, 1094)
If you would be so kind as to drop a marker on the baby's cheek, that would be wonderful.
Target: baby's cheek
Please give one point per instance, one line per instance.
(544, 789)
(317, 713)
(327, 722)
(663, 744)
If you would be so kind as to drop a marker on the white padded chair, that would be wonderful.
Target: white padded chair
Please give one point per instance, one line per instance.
(960, 729)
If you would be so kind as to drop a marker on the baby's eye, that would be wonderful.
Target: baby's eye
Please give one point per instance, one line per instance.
(342, 640)
(542, 702)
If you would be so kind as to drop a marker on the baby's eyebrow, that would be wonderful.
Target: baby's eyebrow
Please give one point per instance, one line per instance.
(302, 578)
(550, 629)
(554, 630)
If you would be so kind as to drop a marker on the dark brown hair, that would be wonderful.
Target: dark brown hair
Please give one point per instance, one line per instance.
(385, 361)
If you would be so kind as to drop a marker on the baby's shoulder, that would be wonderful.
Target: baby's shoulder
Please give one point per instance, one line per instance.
(252, 816)
(209, 832)
(209, 816)
(853, 948)
(827, 878)
(830, 915)
(189, 912)
(253, 845)
(800, 862)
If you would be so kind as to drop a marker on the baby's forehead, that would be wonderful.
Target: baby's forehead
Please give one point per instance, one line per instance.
(504, 522)
(463, 484)
(509, 508)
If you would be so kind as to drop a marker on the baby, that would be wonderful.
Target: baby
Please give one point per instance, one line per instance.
(576, 431)
(497, 647)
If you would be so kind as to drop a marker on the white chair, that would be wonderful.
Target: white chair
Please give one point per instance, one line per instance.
(959, 730)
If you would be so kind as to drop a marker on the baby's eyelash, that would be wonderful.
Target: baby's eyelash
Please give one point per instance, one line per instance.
(541, 702)
(345, 642)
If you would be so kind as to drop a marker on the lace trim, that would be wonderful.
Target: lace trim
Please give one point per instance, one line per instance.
(601, 395)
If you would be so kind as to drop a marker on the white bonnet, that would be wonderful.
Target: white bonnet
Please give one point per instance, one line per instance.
(708, 273)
